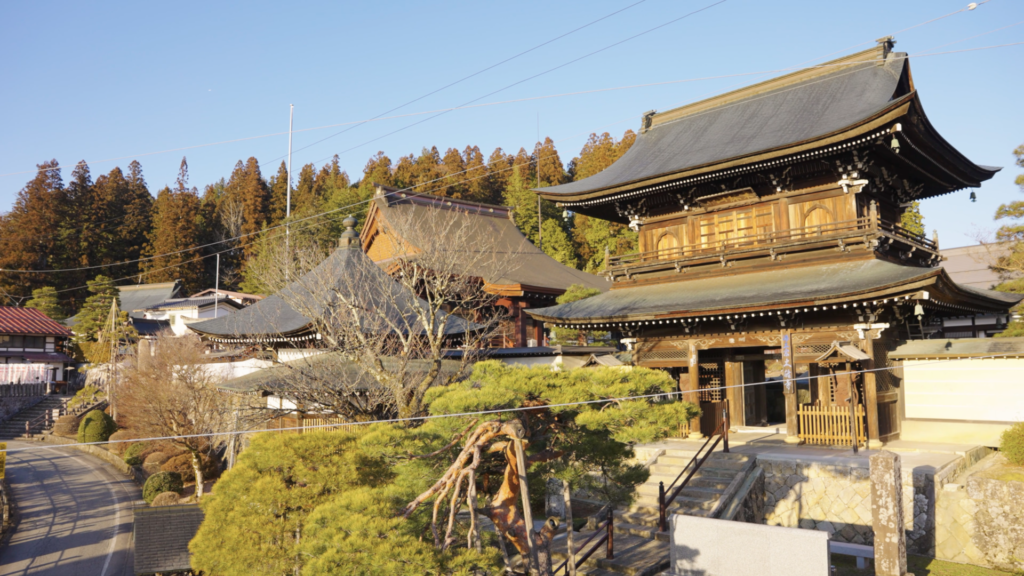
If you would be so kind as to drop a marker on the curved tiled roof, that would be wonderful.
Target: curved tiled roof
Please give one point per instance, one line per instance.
(709, 132)
(29, 321)
(770, 289)
(347, 270)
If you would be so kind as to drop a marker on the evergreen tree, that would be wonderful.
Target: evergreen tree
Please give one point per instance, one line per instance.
(912, 220)
(499, 170)
(176, 232)
(247, 189)
(279, 194)
(28, 237)
(1011, 266)
(527, 169)
(331, 179)
(405, 172)
(427, 172)
(593, 236)
(376, 171)
(136, 204)
(477, 184)
(549, 165)
(558, 244)
(45, 300)
(454, 168)
(92, 319)
(306, 196)
(523, 201)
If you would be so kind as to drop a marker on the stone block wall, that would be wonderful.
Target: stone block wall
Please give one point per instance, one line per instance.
(981, 521)
(836, 498)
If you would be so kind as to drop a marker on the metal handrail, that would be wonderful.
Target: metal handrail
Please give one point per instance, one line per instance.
(607, 531)
(720, 433)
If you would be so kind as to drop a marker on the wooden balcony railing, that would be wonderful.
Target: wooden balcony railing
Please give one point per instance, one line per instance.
(754, 244)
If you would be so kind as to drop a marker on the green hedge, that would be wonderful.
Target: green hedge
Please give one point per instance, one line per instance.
(97, 426)
(1011, 444)
(133, 455)
(160, 483)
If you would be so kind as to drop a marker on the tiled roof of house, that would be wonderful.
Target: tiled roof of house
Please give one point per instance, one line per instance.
(162, 535)
(15, 320)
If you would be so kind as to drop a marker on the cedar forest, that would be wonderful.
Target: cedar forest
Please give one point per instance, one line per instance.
(114, 222)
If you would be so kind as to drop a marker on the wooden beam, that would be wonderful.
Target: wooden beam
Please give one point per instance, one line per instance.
(870, 393)
(789, 389)
(692, 384)
(734, 392)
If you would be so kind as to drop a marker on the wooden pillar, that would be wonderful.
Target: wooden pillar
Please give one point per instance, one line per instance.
(789, 389)
(538, 332)
(734, 392)
(520, 318)
(692, 385)
(870, 393)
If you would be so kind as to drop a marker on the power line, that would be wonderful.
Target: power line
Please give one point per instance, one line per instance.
(477, 73)
(654, 396)
(539, 74)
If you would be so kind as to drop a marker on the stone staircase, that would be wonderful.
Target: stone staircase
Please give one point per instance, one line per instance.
(640, 548)
(14, 427)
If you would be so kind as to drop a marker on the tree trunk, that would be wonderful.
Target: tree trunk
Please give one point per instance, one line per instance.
(570, 547)
(197, 466)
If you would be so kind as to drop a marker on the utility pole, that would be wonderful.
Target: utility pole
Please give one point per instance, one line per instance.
(216, 287)
(540, 219)
(288, 200)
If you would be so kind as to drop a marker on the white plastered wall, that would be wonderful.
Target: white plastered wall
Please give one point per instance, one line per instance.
(966, 400)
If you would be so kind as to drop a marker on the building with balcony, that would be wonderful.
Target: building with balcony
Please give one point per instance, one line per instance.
(773, 273)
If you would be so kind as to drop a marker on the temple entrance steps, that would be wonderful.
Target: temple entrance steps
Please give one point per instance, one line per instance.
(640, 548)
(35, 415)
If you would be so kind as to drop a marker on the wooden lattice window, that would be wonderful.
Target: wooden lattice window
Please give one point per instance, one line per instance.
(712, 378)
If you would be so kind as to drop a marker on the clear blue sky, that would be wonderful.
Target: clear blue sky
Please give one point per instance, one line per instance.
(101, 80)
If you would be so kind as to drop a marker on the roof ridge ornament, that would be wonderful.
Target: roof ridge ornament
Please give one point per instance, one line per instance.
(349, 237)
(887, 43)
(647, 120)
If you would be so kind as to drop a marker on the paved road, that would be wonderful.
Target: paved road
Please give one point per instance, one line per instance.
(76, 514)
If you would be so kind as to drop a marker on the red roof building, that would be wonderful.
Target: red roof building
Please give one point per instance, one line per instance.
(29, 321)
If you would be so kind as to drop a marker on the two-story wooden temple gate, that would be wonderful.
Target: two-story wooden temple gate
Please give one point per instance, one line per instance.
(771, 247)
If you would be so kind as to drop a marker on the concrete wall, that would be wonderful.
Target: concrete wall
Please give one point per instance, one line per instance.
(710, 547)
(980, 520)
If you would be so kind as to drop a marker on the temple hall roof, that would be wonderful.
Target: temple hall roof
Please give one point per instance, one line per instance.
(808, 108)
(773, 289)
(517, 264)
(347, 270)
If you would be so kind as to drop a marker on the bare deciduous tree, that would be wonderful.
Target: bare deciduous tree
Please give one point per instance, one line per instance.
(172, 394)
(395, 321)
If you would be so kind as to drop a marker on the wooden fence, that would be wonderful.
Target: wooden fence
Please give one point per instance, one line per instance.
(314, 424)
(22, 390)
(830, 425)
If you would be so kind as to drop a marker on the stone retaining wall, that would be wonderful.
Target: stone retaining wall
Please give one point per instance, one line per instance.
(836, 498)
(981, 520)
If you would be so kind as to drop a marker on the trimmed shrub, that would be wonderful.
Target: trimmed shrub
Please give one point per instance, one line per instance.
(157, 458)
(67, 426)
(160, 483)
(1011, 444)
(133, 455)
(96, 426)
(182, 464)
(120, 447)
(166, 499)
(86, 396)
